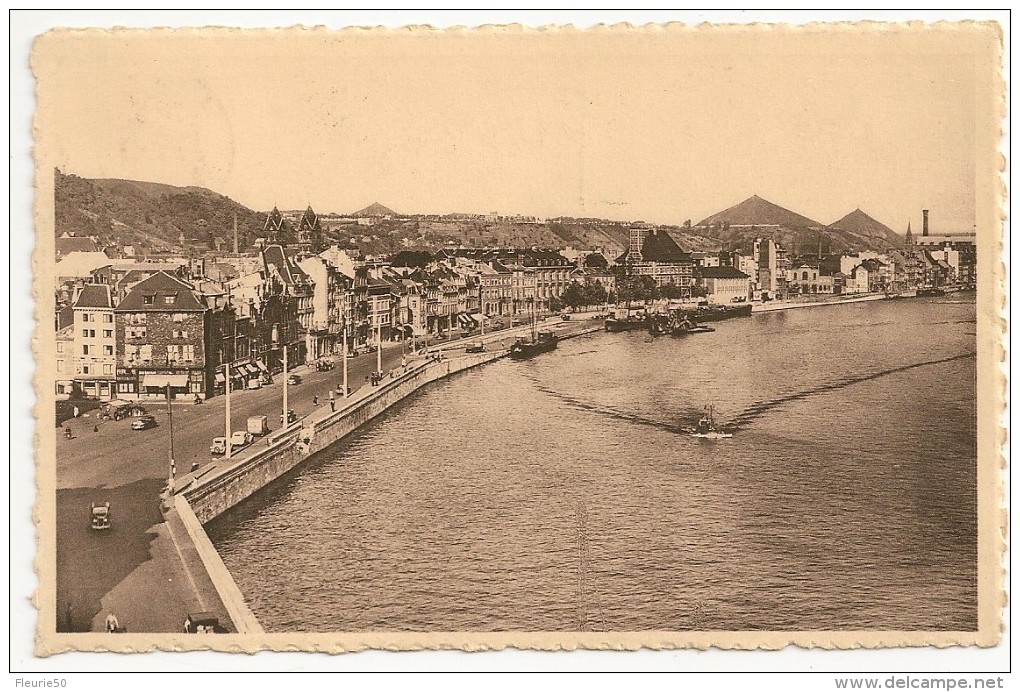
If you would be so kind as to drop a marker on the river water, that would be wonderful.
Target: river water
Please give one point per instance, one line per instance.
(558, 494)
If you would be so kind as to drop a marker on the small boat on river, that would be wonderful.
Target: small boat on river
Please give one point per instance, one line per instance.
(707, 428)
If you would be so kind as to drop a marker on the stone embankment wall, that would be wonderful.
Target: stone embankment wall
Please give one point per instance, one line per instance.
(211, 496)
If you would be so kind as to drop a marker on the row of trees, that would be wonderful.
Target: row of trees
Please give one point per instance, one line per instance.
(578, 295)
(643, 289)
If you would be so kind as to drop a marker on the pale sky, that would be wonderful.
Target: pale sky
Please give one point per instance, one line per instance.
(661, 126)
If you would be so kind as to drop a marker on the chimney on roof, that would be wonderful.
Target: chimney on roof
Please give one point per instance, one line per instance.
(924, 230)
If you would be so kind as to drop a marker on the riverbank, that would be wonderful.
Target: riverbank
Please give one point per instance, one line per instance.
(774, 305)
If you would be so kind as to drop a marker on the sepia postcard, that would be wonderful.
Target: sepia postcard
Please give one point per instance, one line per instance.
(629, 337)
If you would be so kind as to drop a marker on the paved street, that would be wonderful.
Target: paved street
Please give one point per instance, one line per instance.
(100, 571)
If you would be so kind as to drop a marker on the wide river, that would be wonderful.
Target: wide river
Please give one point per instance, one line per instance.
(559, 493)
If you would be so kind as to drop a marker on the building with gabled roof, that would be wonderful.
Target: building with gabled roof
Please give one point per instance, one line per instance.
(161, 328)
(95, 342)
(296, 292)
(653, 253)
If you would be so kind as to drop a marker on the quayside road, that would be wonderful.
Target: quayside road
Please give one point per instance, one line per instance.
(144, 569)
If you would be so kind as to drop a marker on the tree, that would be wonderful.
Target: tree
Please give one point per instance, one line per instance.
(555, 304)
(594, 293)
(573, 296)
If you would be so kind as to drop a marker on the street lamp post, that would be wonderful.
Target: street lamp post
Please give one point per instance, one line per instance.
(278, 341)
(170, 413)
(227, 421)
(378, 347)
(345, 358)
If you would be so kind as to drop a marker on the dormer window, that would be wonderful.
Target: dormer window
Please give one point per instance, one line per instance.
(170, 299)
(149, 300)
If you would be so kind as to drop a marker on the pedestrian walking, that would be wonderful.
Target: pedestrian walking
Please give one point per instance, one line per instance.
(315, 400)
(95, 428)
(332, 394)
(332, 405)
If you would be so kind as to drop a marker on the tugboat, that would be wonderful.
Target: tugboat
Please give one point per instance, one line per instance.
(541, 342)
(707, 429)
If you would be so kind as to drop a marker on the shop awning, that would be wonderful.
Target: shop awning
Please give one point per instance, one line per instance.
(161, 381)
(261, 366)
(220, 377)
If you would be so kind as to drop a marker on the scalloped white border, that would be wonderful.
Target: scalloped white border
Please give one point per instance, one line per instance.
(601, 641)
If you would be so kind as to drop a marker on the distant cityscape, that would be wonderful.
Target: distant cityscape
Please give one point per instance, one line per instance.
(128, 319)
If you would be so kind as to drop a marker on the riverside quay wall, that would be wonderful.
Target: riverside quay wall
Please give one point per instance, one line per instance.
(214, 493)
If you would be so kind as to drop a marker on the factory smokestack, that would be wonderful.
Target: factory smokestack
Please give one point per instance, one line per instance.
(924, 230)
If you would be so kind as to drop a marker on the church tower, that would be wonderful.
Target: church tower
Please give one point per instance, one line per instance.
(909, 242)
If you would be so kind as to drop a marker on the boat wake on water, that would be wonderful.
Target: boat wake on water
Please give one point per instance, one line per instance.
(607, 411)
(749, 414)
(760, 408)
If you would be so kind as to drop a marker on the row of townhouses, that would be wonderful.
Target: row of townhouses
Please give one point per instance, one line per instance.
(127, 329)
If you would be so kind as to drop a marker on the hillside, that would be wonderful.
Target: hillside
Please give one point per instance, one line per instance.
(374, 209)
(393, 235)
(867, 230)
(150, 216)
(755, 211)
(738, 226)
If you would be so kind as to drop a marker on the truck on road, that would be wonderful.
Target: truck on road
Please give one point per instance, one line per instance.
(258, 425)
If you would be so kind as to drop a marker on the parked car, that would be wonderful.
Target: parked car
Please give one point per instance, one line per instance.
(202, 623)
(254, 383)
(241, 438)
(475, 347)
(294, 379)
(143, 423)
(324, 364)
(218, 446)
(565, 315)
(99, 515)
(498, 324)
(291, 417)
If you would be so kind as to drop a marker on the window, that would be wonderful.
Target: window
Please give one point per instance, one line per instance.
(179, 334)
(179, 317)
(145, 352)
(84, 370)
(60, 347)
(85, 317)
(108, 318)
(148, 300)
(136, 333)
(173, 353)
(85, 350)
(61, 365)
(107, 333)
(107, 368)
(107, 350)
(169, 300)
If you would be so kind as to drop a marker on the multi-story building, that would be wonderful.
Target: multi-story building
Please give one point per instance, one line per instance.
(95, 362)
(773, 265)
(724, 284)
(293, 287)
(330, 292)
(64, 379)
(160, 331)
(653, 253)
